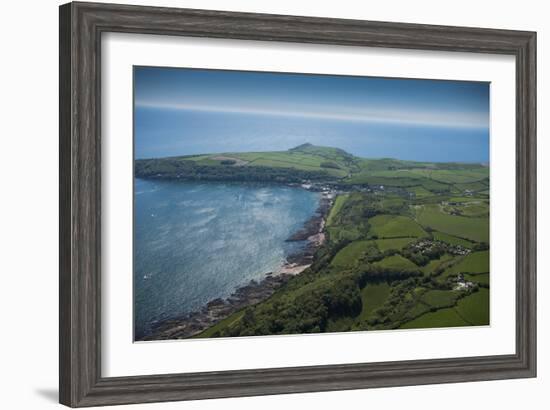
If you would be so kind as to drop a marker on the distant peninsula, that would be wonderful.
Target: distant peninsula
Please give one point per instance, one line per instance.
(304, 163)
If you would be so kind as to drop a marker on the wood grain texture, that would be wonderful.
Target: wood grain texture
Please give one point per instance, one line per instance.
(81, 26)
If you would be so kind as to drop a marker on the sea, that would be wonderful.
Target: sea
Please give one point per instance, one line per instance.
(171, 133)
(195, 242)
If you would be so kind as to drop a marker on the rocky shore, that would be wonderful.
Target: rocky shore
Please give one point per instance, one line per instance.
(316, 223)
(255, 291)
(218, 309)
(312, 232)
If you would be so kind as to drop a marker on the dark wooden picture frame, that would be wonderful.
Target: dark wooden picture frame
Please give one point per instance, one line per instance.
(81, 27)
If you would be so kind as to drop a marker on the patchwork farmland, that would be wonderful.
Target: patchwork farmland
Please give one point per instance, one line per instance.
(406, 244)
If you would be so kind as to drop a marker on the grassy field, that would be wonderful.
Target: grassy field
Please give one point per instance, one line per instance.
(336, 208)
(330, 161)
(452, 176)
(349, 255)
(420, 191)
(481, 278)
(425, 181)
(395, 226)
(432, 216)
(439, 298)
(367, 178)
(373, 296)
(393, 243)
(442, 318)
(432, 265)
(475, 209)
(400, 173)
(398, 263)
(473, 186)
(306, 157)
(453, 240)
(341, 233)
(477, 262)
(475, 308)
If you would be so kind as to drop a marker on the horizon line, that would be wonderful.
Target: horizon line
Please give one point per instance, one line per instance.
(375, 117)
(320, 146)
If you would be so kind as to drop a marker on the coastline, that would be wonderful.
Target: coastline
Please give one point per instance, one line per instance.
(254, 292)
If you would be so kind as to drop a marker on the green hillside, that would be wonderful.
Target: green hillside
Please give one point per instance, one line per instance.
(313, 163)
(407, 243)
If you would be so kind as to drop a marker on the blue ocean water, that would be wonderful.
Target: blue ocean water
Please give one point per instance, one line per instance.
(162, 133)
(194, 242)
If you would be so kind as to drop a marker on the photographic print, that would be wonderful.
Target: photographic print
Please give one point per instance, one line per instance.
(290, 203)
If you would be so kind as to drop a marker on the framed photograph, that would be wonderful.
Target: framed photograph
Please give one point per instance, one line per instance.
(262, 204)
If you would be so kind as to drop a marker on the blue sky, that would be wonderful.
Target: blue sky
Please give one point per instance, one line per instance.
(191, 111)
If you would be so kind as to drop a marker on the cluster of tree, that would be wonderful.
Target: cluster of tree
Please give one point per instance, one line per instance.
(308, 302)
(368, 272)
(482, 246)
(291, 310)
(396, 306)
(360, 206)
(174, 168)
(404, 303)
(353, 213)
(424, 256)
(324, 255)
(389, 204)
(372, 254)
(305, 312)
(419, 258)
